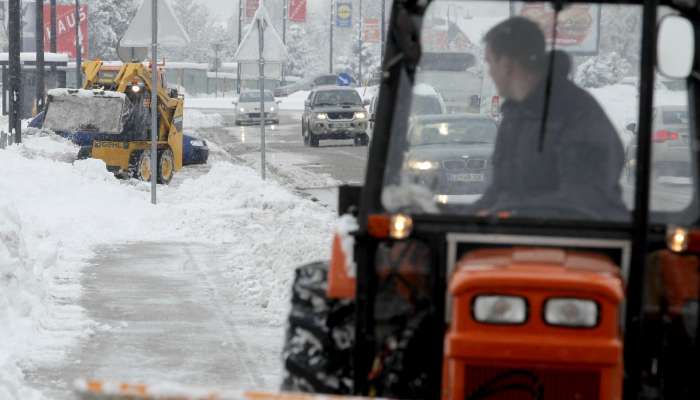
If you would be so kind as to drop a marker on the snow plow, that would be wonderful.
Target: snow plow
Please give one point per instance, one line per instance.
(110, 119)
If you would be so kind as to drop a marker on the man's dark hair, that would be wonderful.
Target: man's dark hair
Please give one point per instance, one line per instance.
(520, 39)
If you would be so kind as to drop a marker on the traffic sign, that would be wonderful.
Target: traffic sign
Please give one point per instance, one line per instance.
(343, 14)
(343, 79)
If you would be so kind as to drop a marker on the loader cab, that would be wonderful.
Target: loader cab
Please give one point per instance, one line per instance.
(559, 278)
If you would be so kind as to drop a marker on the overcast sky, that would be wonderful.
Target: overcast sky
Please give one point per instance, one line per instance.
(221, 8)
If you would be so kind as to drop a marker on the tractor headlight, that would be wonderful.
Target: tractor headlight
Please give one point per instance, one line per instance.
(423, 165)
(494, 309)
(135, 88)
(574, 313)
(360, 115)
(322, 116)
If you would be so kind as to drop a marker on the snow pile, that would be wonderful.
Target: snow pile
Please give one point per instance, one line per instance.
(604, 70)
(197, 119)
(53, 213)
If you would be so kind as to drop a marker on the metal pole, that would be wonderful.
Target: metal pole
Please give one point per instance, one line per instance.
(240, 33)
(78, 48)
(330, 55)
(154, 98)
(359, 45)
(40, 85)
(383, 28)
(261, 48)
(285, 15)
(54, 47)
(15, 93)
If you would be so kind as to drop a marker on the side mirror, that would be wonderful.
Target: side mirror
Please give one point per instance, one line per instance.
(632, 128)
(675, 49)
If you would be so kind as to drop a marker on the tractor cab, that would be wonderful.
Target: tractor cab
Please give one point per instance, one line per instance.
(549, 254)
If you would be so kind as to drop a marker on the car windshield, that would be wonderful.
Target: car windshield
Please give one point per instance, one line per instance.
(425, 105)
(558, 105)
(337, 97)
(84, 112)
(250, 97)
(468, 130)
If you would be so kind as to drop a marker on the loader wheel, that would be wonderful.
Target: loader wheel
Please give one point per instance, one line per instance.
(320, 336)
(142, 166)
(166, 166)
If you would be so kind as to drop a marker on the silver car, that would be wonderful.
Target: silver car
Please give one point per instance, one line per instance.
(334, 112)
(671, 153)
(248, 108)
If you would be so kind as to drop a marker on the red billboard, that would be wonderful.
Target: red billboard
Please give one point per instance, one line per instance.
(251, 6)
(372, 31)
(297, 10)
(65, 29)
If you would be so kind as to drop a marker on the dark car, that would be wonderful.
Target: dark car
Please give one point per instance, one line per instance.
(194, 150)
(334, 112)
(450, 154)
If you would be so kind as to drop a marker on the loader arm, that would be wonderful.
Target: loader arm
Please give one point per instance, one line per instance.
(91, 69)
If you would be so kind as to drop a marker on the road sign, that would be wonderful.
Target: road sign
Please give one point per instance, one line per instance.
(170, 32)
(297, 10)
(343, 79)
(343, 14)
(251, 6)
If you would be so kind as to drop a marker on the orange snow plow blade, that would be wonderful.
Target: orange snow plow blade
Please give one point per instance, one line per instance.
(102, 390)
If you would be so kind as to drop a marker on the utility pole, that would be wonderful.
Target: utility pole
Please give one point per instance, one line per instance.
(78, 49)
(330, 55)
(383, 28)
(285, 15)
(53, 43)
(40, 86)
(154, 98)
(359, 46)
(240, 33)
(261, 55)
(15, 81)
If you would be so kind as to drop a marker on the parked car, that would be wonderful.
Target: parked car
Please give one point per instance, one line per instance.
(334, 112)
(671, 155)
(450, 154)
(248, 107)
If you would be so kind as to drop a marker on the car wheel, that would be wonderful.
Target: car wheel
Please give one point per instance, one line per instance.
(166, 166)
(364, 140)
(313, 140)
(304, 134)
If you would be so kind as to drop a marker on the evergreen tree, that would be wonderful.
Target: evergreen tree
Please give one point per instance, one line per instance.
(107, 22)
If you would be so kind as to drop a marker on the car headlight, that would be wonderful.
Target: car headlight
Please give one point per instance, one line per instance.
(360, 115)
(272, 109)
(574, 313)
(321, 116)
(494, 309)
(241, 109)
(197, 143)
(423, 165)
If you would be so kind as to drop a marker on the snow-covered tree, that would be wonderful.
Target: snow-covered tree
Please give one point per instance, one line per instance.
(107, 22)
(603, 70)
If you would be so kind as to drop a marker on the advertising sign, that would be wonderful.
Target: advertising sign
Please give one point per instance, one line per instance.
(251, 6)
(297, 10)
(372, 31)
(343, 14)
(65, 29)
(578, 25)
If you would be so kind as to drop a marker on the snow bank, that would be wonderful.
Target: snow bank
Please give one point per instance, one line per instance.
(53, 213)
(197, 119)
(209, 102)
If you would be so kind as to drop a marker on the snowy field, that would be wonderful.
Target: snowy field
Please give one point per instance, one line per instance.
(54, 212)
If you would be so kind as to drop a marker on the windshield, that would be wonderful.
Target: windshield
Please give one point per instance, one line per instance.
(250, 97)
(468, 130)
(558, 146)
(71, 113)
(337, 97)
(424, 105)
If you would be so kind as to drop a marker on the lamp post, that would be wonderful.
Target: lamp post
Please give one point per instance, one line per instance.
(53, 43)
(78, 48)
(39, 56)
(15, 81)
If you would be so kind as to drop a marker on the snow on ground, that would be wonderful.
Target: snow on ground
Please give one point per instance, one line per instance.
(53, 212)
(195, 119)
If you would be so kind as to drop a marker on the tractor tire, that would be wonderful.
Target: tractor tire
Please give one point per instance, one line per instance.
(166, 166)
(313, 140)
(140, 165)
(320, 336)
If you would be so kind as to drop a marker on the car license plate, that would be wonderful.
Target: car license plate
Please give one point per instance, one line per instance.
(341, 125)
(466, 178)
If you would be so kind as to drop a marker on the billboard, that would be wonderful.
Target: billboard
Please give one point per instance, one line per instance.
(578, 25)
(343, 14)
(251, 6)
(65, 29)
(297, 10)
(371, 30)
